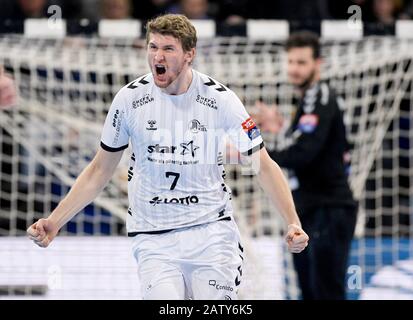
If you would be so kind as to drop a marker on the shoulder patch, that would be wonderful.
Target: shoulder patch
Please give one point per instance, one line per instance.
(250, 128)
(248, 124)
(135, 84)
(217, 86)
(308, 123)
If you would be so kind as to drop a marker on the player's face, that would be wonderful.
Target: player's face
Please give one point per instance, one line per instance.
(167, 59)
(302, 67)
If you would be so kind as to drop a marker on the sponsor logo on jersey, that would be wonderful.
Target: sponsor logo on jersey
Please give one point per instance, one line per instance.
(214, 283)
(147, 98)
(220, 159)
(152, 125)
(133, 85)
(195, 126)
(161, 149)
(189, 148)
(117, 123)
(115, 118)
(130, 173)
(248, 124)
(131, 165)
(184, 200)
(209, 102)
(308, 123)
(215, 84)
(251, 129)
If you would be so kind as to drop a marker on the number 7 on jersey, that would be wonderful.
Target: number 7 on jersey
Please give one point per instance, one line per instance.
(176, 177)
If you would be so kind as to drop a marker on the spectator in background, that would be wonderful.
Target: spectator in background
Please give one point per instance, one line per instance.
(147, 9)
(33, 8)
(116, 9)
(71, 9)
(407, 10)
(292, 10)
(385, 11)
(339, 9)
(23, 9)
(192, 9)
(232, 12)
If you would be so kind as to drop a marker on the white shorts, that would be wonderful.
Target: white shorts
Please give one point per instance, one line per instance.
(201, 262)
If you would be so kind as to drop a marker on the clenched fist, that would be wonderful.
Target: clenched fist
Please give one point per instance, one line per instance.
(42, 232)
(8, 94)
(297, 239)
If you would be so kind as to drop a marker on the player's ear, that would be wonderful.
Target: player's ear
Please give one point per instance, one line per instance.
(190, 55)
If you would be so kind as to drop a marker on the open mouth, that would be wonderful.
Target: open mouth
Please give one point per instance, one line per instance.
(160, 69)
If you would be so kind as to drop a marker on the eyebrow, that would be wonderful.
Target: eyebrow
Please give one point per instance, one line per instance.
(165, 46)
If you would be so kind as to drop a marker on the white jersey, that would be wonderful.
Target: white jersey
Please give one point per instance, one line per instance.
(176, 172)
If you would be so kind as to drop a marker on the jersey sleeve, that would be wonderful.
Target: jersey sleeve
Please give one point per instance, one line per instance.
(239, 126)
(115, 134)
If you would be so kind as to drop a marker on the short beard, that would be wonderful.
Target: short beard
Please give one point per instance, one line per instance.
(178, 73)
(307, 82)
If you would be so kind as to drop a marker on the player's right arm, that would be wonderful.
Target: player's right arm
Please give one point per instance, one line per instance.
(114, 139)
(86, 188)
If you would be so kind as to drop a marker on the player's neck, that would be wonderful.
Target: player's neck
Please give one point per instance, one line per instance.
(315, 79)
(181, 83)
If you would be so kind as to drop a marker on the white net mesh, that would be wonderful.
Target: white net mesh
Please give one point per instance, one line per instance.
(66, 87)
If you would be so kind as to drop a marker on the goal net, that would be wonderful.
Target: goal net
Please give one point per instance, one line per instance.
(66, 87)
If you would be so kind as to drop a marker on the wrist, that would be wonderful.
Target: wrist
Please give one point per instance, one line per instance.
(54, 221)
(295, 224)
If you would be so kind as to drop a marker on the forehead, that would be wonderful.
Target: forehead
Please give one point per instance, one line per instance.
(163, 39)
(300, 53)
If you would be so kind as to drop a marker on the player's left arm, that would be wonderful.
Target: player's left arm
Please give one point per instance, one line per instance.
(246, 137)
(275, 185)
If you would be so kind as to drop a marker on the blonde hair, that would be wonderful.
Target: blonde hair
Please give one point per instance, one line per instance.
(176, 25)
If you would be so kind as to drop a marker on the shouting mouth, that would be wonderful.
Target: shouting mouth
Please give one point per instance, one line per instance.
(160, 69)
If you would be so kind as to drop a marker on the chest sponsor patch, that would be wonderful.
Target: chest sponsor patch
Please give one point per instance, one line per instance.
(308, 123)
(251, 129)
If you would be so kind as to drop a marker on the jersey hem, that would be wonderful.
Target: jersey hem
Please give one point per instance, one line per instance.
(132, 234)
